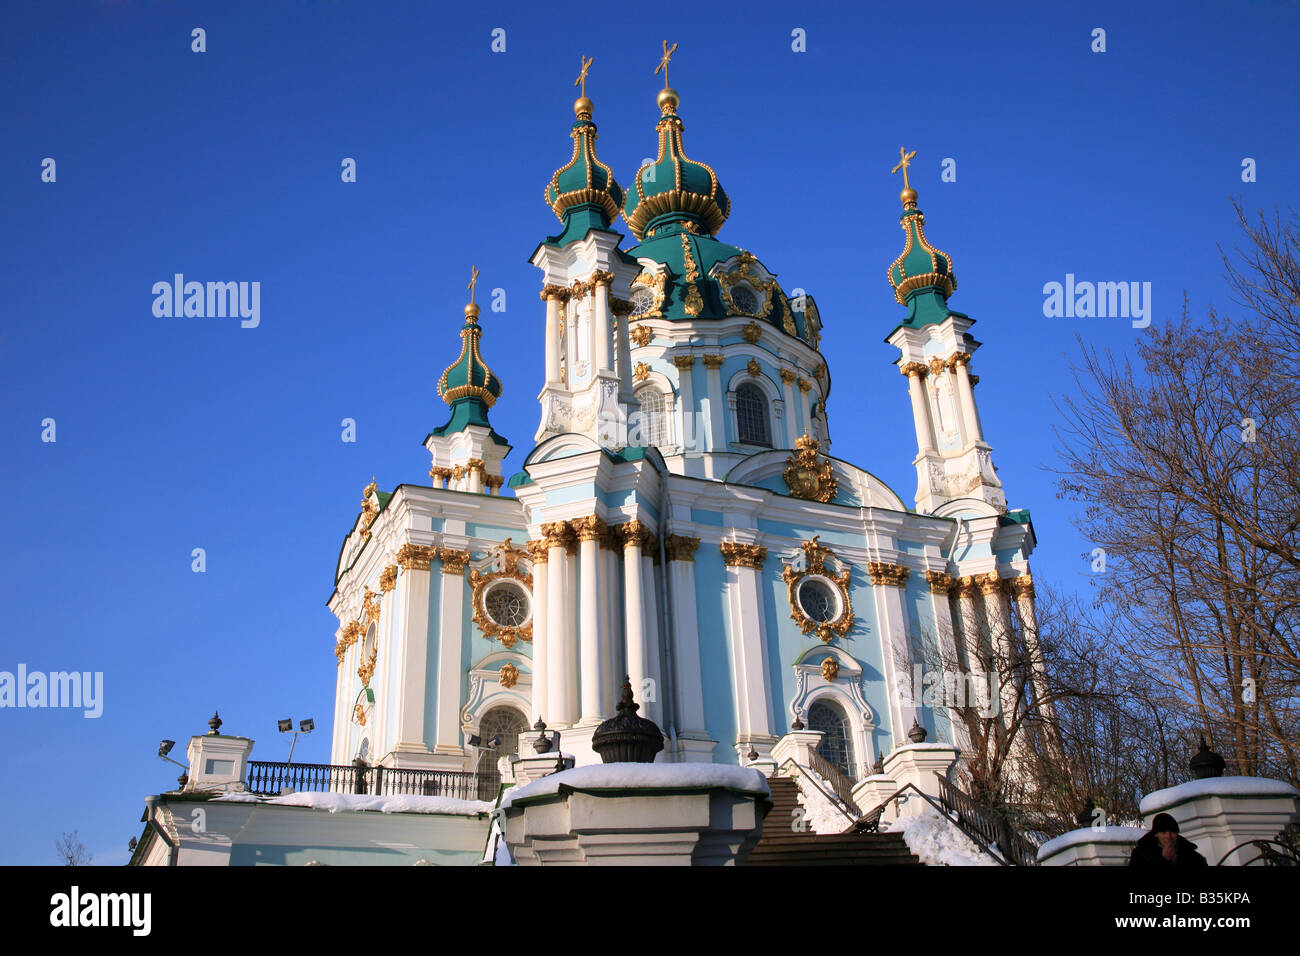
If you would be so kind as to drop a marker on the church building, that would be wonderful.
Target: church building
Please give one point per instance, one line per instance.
(680, 517)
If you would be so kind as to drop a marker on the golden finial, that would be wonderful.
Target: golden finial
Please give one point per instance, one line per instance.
(908, 195)
(471, 310)
(582, 104)
(667, 96)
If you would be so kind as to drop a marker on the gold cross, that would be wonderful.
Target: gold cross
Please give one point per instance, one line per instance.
(582, 77)
(663, 63)
(473, 279)
(904, 160)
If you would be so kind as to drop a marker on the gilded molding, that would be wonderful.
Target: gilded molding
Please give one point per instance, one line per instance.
(937, 366)
(415, 557)
(508, 558)
(753, 368)
(788, 376)
(752, 332)
(743, 555)
(600, 277)
(351, 632)
(914, 368)
(388, 578)
(340, 651)
(370, 606)
(745, 273)
(804, 384)
(453, 560)
(367, 668)
(536, 551)
(990, 583)
(808, 477)
(940, 581)
(694, 304)
(508, 676)
(555, 292)
(557, 534)
(815, 558)
(641, 335)
(1023, 585)
(712, 361)
(955, 359)
(964, 586)
(890, 575)
(637, 534)
(830, 669)
(684, 362)
(655, 283)
(589, 528)
(359, 715)
(681, 547)
(641, 371)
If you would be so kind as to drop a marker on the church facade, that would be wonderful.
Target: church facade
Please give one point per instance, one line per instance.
(680, 518)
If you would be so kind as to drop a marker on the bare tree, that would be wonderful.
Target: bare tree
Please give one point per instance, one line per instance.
(71, 850)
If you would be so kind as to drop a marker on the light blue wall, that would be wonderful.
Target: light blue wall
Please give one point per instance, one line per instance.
(715, 653)
(431, 657)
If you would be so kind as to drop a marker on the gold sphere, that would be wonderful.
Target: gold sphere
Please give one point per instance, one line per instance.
(471, 312)
(908, 196)
(667, 99)
(582, 105)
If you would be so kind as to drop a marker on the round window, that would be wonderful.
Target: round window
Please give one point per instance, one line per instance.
(743, 298)
(818, 600)
(507, 604)
(643, 300)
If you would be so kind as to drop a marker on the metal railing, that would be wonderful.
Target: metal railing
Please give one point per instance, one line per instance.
(832, 798)
(266, 777)
(993, 830)
(832, 774)
(870, 822)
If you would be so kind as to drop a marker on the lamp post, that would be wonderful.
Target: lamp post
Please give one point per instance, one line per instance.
(304, 727)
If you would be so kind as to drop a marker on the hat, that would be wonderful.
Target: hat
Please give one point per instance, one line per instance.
(1164, 823)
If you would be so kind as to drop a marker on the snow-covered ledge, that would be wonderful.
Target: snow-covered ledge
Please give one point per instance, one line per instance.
(1218, 814)
(922, 765)
(797, 745)
(1091, 846)
(526, 770)
(616, 814)
(870, 792)
(218, 762)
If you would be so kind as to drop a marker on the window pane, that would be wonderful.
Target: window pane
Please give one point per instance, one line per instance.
(751, 415)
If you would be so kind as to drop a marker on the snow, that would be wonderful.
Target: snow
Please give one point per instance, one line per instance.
(1233, 787)
(643, 776)
(937, 841)
(1090, 835)
(822, 815)
(354, 802)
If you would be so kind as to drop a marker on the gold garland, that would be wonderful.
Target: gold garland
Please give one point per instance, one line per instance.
(815, 556)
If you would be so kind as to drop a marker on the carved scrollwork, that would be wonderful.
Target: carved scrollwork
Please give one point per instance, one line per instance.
(816, 568)
(507, 631)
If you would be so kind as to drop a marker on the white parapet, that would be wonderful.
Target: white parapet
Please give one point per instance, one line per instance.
(1091, 846)
(637, 814)
(218, 762)
(922, 765)
(1219, 814)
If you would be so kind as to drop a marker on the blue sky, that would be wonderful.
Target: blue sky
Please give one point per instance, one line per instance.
(177, 433)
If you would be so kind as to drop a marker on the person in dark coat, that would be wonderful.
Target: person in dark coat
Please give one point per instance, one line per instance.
(1164, 847)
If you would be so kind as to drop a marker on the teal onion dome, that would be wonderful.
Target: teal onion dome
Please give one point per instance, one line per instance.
(469, 378)
(675, 188)
(920, 268)
(585, 180)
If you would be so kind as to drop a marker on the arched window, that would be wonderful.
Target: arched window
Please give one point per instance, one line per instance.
(835, 744)
(653, 423)
(751, 415)
(505, 723)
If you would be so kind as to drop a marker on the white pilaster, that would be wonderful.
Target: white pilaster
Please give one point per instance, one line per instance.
(451, 668)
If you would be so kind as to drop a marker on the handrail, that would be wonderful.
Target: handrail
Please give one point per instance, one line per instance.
(994, 830)
(832, 774)
(269, 777)
(975, 837)
(808, 775)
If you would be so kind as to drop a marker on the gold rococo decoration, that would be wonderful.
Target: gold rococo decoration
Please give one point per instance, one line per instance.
(416, 557)
(370, 606)
(890, 575)
(743, 555)
(940, 581)
(508, 558)
(752, 332)
(744, 273)
(359, 715)
(681, 547)
(641, 335)
(388, 578)
(367, 668)
(453, 560)
(509, 676)
(655, 283)
(808, 477)
(753, 368)
(830, 669)
(815, 558)
(641, 371)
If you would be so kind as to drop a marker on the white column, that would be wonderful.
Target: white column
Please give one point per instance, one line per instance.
(558, 637)
(612, 656)
(537, 550)
(950, 658)
(1023, 590)
(688, 679)
(888, 581)
(552, 348)
(590, 530)
(717, 410)
(571, 343)
(451, 669)
(744, 563)
(791, 419)
(920, 408)
(600, 327)
(413, 593)
(687, 429)
(804, 407)
(652, 709)
(997, 617)
(633, 607)
(623, 347)
(966, 394)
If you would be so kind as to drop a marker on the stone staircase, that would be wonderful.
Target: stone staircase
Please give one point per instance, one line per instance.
(782, 845)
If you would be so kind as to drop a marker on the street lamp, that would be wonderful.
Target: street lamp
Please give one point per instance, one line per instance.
(164, 748)
(304, 727)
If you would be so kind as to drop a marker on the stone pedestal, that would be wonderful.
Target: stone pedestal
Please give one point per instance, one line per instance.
(1091, 846)
(218, 762)
(922, 765)
(525, 770)
(1218, 814)
(637, 814)
(797, 745)
(871, 792)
